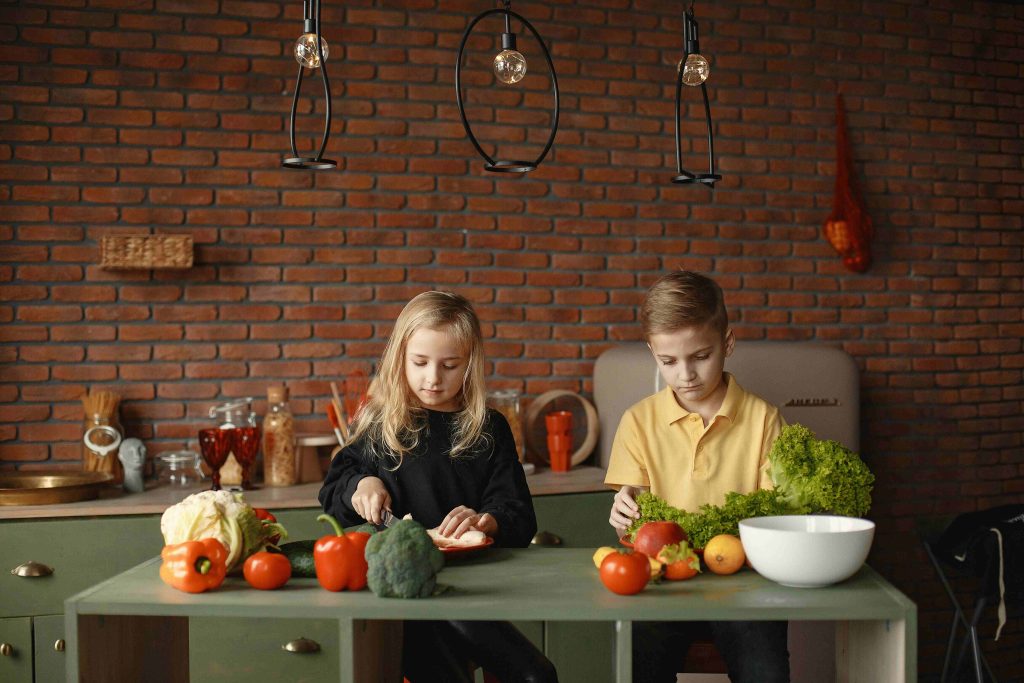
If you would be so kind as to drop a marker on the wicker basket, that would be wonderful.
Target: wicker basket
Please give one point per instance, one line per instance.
(142, 252)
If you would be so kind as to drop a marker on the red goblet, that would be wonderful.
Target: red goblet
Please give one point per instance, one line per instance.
(245, 445)
(216, 444)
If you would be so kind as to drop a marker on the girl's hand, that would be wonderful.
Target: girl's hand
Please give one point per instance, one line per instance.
(462, 519)
(624, 508)
(370, 498)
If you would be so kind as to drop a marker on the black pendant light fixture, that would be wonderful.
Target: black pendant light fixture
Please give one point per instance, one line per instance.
(693, 71)
(509, 68)
(311, 52)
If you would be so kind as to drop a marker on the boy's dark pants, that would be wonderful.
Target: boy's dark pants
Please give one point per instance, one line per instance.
(754, 651)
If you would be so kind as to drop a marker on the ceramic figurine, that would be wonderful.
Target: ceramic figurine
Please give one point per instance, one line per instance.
(132, 455)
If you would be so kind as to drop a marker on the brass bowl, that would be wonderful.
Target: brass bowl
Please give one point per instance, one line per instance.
(44, 488)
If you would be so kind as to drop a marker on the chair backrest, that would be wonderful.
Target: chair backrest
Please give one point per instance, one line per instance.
(813, 384)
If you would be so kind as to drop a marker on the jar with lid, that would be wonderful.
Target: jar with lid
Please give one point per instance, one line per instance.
(506, 402)
(279, 452)
(180, 469)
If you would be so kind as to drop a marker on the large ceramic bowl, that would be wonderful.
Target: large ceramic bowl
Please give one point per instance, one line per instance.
(806, 551)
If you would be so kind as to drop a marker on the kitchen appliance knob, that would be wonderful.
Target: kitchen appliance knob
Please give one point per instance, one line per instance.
(32, 569)
(6, 650)
(546, 538)
(301, 646)
(58, 646)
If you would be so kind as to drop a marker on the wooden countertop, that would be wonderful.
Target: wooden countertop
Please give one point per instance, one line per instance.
(157, 499)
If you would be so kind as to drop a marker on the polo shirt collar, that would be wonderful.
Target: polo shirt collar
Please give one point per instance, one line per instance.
(730, 405)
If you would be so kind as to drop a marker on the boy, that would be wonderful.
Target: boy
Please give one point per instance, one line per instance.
(691, 443)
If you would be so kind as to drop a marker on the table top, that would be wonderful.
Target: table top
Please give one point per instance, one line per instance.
(528, 584)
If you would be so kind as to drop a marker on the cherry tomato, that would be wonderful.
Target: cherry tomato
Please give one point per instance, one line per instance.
(267, 571)
(625, 573)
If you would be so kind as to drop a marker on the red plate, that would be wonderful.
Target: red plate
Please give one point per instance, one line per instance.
(459, 550)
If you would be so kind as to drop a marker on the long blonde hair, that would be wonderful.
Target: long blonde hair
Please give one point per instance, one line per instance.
(392, 420)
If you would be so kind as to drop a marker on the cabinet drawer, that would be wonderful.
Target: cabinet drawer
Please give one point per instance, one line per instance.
(16, 641)
(223, 650)
(48, 636)
(579, 519)
(81, 552)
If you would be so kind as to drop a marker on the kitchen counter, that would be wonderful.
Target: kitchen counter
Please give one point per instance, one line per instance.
(115, 501)
(875, 624)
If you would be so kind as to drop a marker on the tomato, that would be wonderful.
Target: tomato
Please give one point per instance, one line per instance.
(625, 573)
(267, 571)
(653, 536)
(680, 561)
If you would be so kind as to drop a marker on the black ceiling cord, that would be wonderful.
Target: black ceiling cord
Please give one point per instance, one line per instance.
(318, 60)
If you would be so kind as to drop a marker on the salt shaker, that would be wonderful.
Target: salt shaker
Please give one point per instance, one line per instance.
(132, 456)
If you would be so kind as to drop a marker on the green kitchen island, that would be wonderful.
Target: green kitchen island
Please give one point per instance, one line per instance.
(133, 627)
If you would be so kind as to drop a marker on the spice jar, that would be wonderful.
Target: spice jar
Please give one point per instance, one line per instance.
(506, 402)
(279, 463)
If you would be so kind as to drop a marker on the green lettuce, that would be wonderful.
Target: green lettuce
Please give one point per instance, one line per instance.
(810, 476)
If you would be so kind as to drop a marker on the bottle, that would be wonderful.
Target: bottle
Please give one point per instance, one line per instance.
(279, 466)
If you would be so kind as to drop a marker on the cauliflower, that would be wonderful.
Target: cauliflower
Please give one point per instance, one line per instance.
(222, 515)
(403, 561)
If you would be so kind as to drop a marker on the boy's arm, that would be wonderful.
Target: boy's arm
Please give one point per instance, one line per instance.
(627, 470)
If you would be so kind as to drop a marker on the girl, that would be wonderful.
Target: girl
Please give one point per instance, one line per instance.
(425, 444)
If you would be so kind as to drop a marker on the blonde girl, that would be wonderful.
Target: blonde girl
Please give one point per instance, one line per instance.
(425, 444)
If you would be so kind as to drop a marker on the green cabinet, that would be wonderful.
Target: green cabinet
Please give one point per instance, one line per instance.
(16, 650)
(580, 520)
(225, 650)
(48, 646)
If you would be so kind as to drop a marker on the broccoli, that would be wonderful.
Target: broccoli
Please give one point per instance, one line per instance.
(403, 561)
(819, 476)
(810, 476)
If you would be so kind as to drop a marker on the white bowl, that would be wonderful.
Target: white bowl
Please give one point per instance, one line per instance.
(806, 551)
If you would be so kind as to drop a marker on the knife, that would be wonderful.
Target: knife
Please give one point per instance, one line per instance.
(387, 519)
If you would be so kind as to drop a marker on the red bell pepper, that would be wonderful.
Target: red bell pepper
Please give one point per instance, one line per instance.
(194, 566)
(340, 560)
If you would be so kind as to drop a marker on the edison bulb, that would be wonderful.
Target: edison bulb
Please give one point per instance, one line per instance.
(305, 50)
(696, 70)
(510, 66)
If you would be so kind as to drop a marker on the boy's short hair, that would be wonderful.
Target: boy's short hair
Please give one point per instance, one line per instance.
(683, 299)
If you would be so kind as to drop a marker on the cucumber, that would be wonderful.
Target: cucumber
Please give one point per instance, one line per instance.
(300, 555)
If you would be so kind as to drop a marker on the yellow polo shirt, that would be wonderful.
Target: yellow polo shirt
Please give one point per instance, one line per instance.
(662, 446)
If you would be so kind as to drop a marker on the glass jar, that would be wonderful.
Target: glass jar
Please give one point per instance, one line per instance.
(180, 468)
(506, 402)
(279, 453)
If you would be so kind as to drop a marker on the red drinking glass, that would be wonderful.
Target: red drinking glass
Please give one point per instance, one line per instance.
(216, 444)
(245, 445)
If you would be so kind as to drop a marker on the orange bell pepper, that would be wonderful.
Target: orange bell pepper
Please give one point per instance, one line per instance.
(194, 566)
(340, 560)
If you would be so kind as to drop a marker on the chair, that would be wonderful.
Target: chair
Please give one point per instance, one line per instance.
(966, 544)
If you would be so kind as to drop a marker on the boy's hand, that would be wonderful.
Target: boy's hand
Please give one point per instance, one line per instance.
(462, 519)
(370, 498)
(624, 508)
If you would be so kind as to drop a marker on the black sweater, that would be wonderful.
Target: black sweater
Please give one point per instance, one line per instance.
(429, 483)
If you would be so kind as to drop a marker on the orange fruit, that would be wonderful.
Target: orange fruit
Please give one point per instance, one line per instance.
(724, 554)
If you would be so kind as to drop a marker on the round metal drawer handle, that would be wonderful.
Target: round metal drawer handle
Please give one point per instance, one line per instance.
(6, 650)
(301, 646)
(546, 538)
(58, 646)
(32, 569)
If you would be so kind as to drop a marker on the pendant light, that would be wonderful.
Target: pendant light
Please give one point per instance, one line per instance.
(509, 68)
(693, 71)
(311, 52)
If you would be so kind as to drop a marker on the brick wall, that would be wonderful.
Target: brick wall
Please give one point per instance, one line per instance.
(171, 116)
